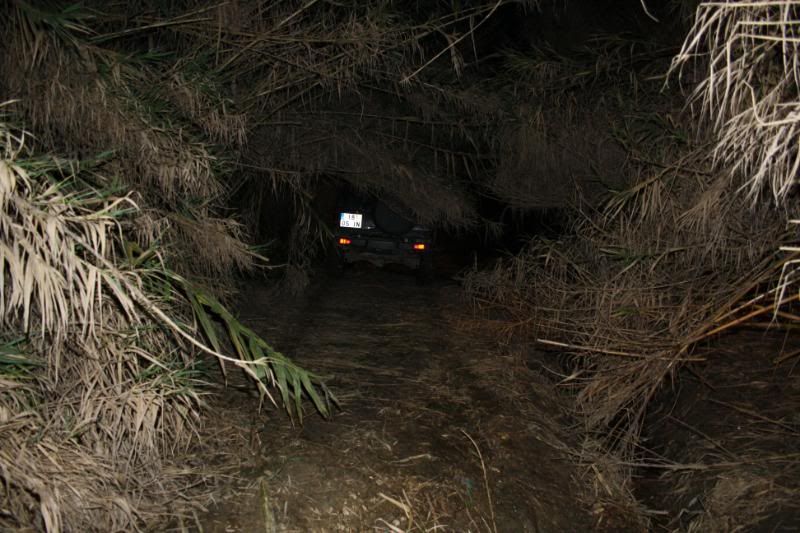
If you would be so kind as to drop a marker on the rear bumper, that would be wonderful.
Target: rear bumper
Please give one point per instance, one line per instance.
(381, 252)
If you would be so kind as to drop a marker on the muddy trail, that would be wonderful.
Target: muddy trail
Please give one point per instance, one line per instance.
(439, 429)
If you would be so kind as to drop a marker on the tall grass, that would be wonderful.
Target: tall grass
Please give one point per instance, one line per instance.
(744, 56)
(99, 363)
(672, 255)
(82, 95)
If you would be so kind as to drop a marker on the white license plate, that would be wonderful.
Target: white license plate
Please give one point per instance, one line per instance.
(350, 220)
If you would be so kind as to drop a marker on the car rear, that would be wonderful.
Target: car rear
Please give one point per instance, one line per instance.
(371, 231)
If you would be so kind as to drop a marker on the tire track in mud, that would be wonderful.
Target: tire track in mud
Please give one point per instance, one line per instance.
(417, 387)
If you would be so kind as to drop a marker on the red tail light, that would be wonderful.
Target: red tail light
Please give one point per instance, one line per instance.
(419, 247)
(344, 241)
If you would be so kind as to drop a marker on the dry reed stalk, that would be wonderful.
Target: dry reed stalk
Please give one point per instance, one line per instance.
(95, 399)
(84, 93)
(108, 367)
(485, 481)
(641, 278)
(745, 56)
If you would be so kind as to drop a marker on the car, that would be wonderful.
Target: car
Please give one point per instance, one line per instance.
(381, 232)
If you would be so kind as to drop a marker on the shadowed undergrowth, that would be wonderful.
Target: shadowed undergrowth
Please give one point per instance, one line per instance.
(688, 247)
(101, 374)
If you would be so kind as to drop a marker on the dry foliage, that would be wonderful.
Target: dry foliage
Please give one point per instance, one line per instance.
(560, 142)
(82, 97)
(740, 502)
(652, 270)
(99, 369)
(745, 57)
(87, 391)
(553, 156)
(340, 97)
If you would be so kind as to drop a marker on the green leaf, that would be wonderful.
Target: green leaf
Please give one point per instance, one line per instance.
(205, 323)
(297, 385)
(312, 393)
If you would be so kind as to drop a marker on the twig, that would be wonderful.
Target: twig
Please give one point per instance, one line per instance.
(647, 12)
(485, 479)
(613, 352)
(786, 357)
(293, 15)
(745, 318)
(451, 45)
(750, 412)
(403, 507)
(696, 431)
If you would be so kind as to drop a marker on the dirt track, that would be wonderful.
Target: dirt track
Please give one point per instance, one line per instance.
(421, 398)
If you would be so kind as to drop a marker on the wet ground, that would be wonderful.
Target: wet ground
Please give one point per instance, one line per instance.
(440, 429)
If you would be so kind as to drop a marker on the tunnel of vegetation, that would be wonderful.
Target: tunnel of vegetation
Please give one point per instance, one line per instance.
(151, 149)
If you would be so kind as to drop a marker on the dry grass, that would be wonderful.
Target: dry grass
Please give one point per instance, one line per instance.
(554, 156)
(629, 296)
(34, 484)
(687, 251)
(99, 368)
(85, 98)
(565, 139)
(332, 105)
(88, 398)
(739, 502)
(672, 259)
(744, 55)
(222, 239)
(726, 453)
